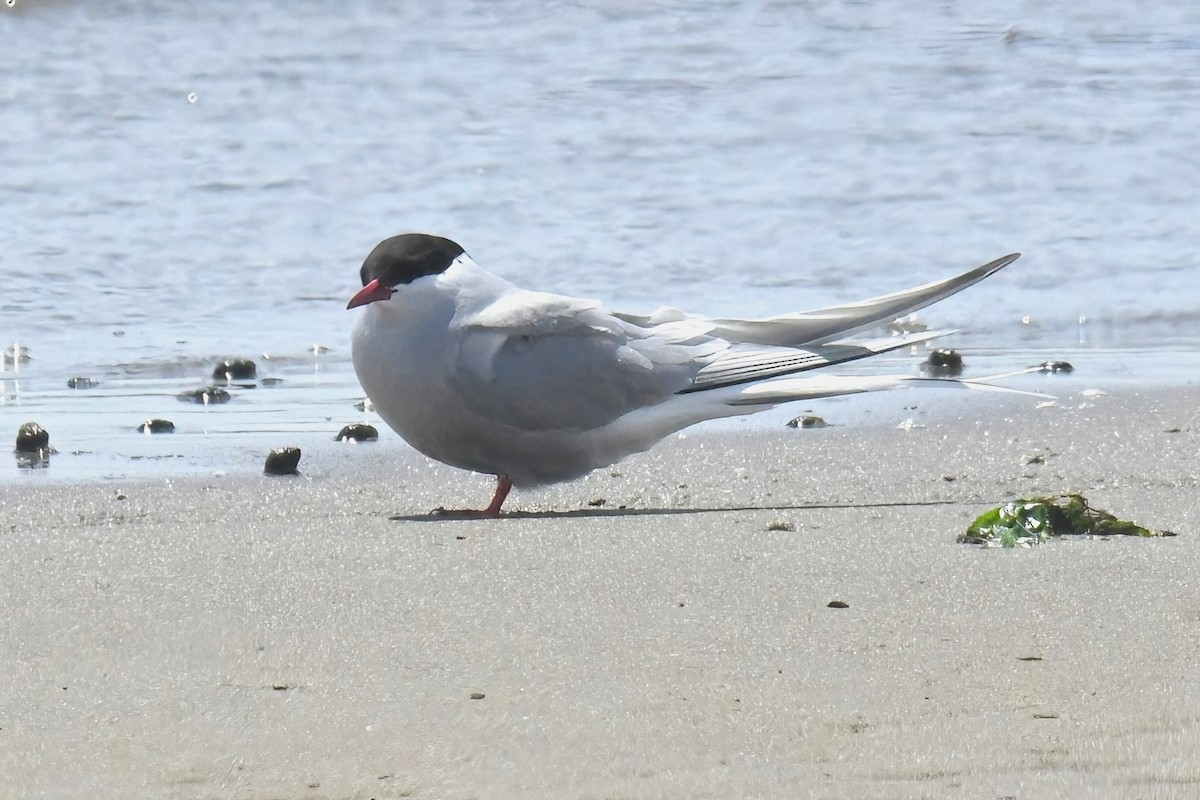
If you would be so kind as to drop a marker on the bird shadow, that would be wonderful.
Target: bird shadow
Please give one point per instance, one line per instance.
(445, 515)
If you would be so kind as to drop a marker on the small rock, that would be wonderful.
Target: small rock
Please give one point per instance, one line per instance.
(208, 395)
(82, 383)
(282, 461)
(477, 695)
(235, 369)
(943, 363)
(32, 438)
(1057, 366)
(365, 405)
(157, 426)
(780, 525)
(358, 433)
(596, 502)
(837, 604)
(808, 421)
(271, 381)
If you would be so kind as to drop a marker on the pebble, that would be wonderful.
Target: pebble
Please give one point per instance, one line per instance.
(943, 363)
(1057, 366)
(282, 461)
(235, 369)
(32, 438)
(837, 604)
(157, 426)
(358, 433)
(208, 395)
(808, 421)
(82, 383)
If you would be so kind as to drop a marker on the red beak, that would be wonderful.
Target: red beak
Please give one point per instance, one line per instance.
(370, 293)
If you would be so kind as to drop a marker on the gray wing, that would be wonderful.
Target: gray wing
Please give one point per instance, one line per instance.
(544, 362)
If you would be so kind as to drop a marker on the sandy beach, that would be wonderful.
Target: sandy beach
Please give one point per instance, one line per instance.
(659, 630)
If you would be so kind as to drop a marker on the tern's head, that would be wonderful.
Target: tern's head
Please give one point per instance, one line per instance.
(400, 260)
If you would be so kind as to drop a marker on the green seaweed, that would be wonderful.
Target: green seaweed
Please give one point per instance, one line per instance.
(1035, 520)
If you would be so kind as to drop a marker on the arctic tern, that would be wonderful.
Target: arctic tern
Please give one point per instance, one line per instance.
(538, 388)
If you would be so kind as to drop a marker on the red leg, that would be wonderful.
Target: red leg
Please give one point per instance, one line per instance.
(503, 486)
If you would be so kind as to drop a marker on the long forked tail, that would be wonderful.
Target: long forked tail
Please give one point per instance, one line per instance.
(825, 324)
(810, 388)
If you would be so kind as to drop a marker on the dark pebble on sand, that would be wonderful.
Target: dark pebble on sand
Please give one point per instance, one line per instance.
(32, 438)
(157, 426)
(82, 383)
(358, 433)
(837, 604)
(1057, 366)
(477, 695)
(943, 363)
(235, 369)
(282, 461)
(808, 421)
(209, 395)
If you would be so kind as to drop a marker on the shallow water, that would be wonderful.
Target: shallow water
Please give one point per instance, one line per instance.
(185, 181)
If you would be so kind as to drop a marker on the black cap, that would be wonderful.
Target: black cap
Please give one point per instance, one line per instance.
(404, 258)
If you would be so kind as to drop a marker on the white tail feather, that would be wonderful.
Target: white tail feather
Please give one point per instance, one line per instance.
(829, 323)
(810, 388)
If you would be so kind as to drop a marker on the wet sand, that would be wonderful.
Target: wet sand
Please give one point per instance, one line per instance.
(643, 633)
